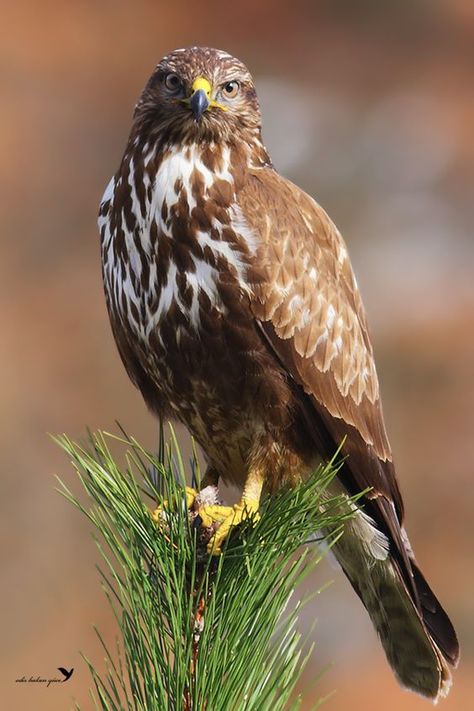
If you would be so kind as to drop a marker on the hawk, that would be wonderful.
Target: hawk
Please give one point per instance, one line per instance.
(235, 311)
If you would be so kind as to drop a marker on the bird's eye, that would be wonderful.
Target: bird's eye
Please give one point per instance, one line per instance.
(231, 89)
(172, 82)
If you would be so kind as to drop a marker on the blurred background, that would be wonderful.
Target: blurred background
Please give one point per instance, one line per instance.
(367, 105)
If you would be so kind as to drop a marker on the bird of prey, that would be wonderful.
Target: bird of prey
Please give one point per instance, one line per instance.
(235, 310)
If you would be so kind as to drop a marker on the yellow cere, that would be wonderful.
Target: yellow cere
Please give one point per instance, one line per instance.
(205, 85)
(202, 83)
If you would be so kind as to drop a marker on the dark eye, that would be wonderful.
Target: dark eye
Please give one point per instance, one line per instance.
(172, 82)
(231, 89)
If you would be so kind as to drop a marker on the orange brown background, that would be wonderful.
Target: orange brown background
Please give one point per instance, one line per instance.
(369, 106)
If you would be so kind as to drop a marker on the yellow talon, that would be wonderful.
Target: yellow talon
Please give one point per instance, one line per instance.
(190, 496)
(214, 514)
(246, 508)
(157, 514)
(230, 516)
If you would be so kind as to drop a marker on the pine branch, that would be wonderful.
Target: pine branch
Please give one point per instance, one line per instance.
(197, 633)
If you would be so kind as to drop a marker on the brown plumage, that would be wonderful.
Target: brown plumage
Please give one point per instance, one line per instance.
(235, 310)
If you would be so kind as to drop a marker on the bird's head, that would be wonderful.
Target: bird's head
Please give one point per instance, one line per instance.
(199, 94)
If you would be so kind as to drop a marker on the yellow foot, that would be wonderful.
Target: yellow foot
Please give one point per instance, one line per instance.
(160, 512)
(227, 517)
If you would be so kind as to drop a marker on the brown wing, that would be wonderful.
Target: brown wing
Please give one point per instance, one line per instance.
(310, 312)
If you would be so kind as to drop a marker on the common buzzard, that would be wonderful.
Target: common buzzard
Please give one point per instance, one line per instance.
(235, 310)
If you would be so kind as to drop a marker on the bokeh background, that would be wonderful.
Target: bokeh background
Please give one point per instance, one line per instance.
(369, 106)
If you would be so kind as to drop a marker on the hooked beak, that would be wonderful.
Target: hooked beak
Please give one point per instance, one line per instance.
(201, 98)
(199, 103)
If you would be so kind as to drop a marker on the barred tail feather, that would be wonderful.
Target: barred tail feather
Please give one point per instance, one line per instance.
(411, 651)
(416, 634)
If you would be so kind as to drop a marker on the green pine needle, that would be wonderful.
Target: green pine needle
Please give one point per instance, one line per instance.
(246, 653)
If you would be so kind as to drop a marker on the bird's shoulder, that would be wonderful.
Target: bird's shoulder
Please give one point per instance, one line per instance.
(305, 253)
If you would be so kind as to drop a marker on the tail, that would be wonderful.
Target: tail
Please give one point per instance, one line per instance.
(416, 633)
